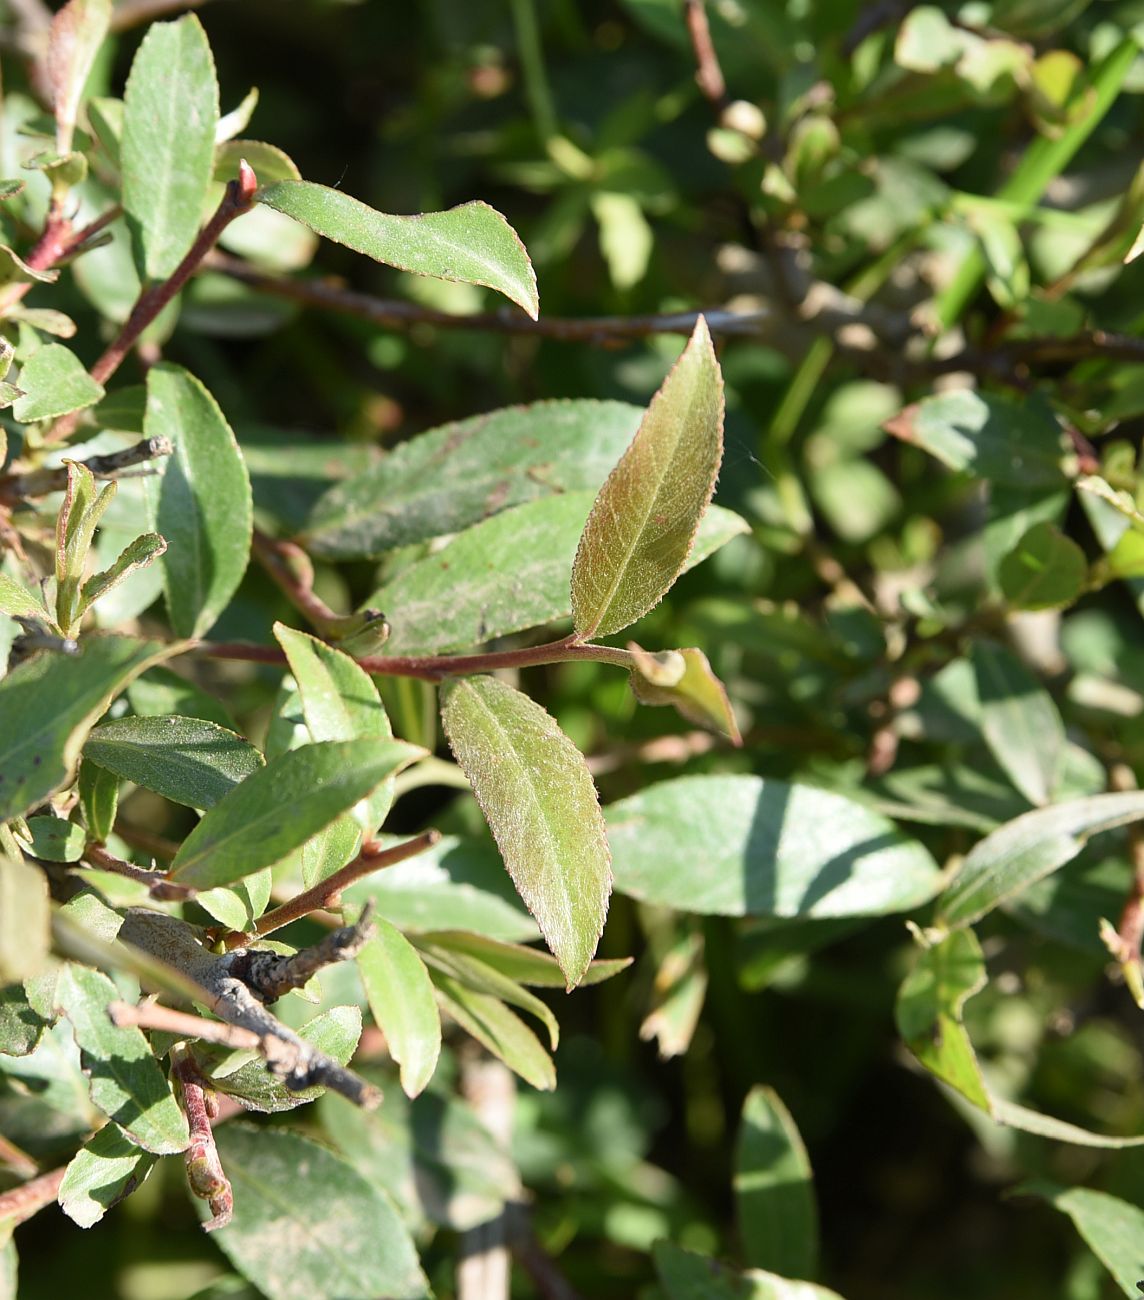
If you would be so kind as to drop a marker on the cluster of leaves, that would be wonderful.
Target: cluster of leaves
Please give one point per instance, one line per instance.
(925, 608)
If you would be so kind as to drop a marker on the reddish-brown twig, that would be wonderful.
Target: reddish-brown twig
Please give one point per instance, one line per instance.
(205, 1173)
(151, 1015)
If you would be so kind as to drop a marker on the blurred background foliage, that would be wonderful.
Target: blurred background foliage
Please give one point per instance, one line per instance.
(861, 157)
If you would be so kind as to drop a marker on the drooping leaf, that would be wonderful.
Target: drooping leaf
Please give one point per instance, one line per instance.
(456, 883)
(989, 436)
(1045, 570)
(432, 1155)
(278, 807)
(25, 918)
(1029, 848)
(187, 760)
(54, 383)
(744, 846)
(1112, 1228)
(472, 244)
(335, 1032)
(643, 525)
(77, 32)
(126, 1081)
(774, 1195)
(401, 999)
(498, 1029)
(452, 477)
(200, 499)
(100, 1174)
(307, 1224)
(339, 702)
(170, 112)
(464, 594)
(49, 704)
(686, 1275)
(536, 793)
(1021, 724)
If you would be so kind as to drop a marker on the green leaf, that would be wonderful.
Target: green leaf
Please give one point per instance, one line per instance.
(83, 507)
(54, 383)
(1021, 724)
(136, 555)
(77, 32)
(463, 594)
(307, 1224)
(433, 1156)
(1029, 848)
(1113, 1229)
(335, 1032)
(401, 999)
(170, 111)
(339, 702)
(200, 499)
(470, 244)
(498, 1029)
(277, 808)
(126, 1082)
(678, 992)
(990, 437)
(778, 1220)
(534, 788)
(744, 846)
(50, 702)
(1045, 570)
(643, 525)
(686, 1275)
(16, 599)
(21, 1027)
(101, 1174)
(451, 477)
(186, 760)
(929, 1013)
(240, 906)
(696, 693)
(518, 963)
(457, 883)
(25, 918)
(53, 839)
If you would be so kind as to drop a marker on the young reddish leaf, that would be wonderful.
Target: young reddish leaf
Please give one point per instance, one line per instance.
(695, 691)
(170, 110)
(641, 529)
(401, 999)
(76, 34)
(200, 500)
(536, 793)
(472, 244)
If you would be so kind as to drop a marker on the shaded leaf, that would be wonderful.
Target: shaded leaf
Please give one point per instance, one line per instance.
(536, 793)
(100, 1174)
(401, 999)
(778, 1220)
(126, 1082)
(451, 477)
(54, 383)
(200, 499)
(1019, 720)
(187, 760)
(160, 692)
(472, 244)
(643, 524)
(307, 1224)
(742, 846)
(686, 1275)
(49, 704)
(55, 840)
(1029, 848)
(991, 437)
(464, 594)
(170, 111)
(278, 807)
(1045, 570)
(678, 993)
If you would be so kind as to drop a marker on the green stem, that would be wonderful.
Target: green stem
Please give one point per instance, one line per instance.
(536, 86)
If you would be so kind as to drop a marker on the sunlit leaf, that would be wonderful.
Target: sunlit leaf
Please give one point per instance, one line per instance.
(401, 999)
(101, 1174)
